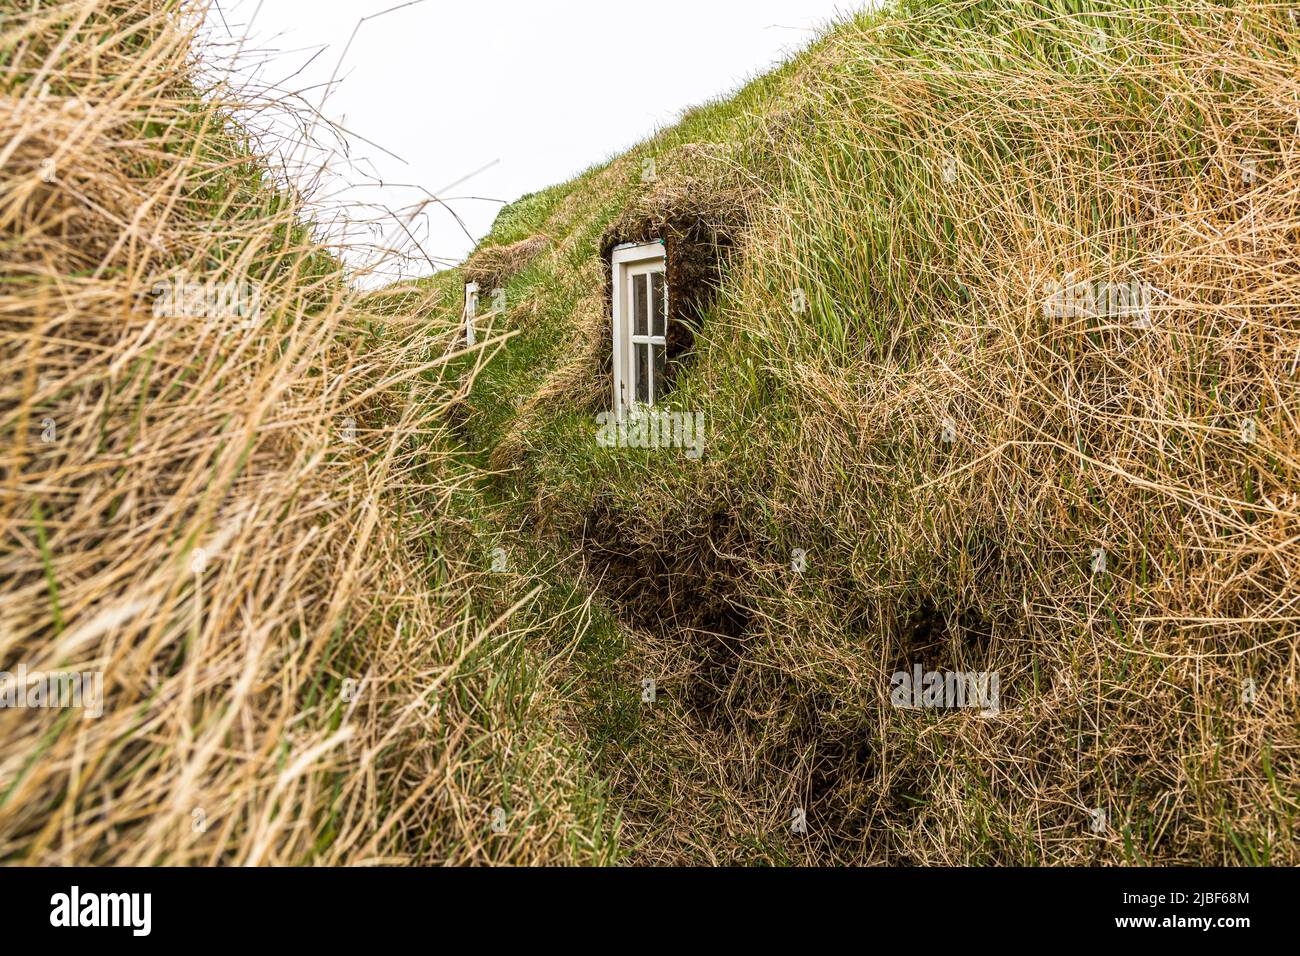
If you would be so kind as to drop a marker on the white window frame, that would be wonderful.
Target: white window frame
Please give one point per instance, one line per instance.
(632, 259)
(471, 310)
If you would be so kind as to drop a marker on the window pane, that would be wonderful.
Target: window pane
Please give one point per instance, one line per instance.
(658, 303)
(659, 356)
(638, 304)
(642, 372)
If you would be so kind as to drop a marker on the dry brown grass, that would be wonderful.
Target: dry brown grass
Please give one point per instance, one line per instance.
(1126, 688)
(247, 528)
(493, 266)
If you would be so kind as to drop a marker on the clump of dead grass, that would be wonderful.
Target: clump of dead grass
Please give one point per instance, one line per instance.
(493, 266)
(243, 521)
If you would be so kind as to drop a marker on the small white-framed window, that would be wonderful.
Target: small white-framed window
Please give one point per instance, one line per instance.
(471, 310)
(640, 300)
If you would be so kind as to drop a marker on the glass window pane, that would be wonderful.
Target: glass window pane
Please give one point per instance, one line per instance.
(659, 357)
(638, 304)
(642, 372)
(658, 303)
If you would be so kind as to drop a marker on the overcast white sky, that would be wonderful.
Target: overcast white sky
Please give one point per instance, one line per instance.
(534, 90)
